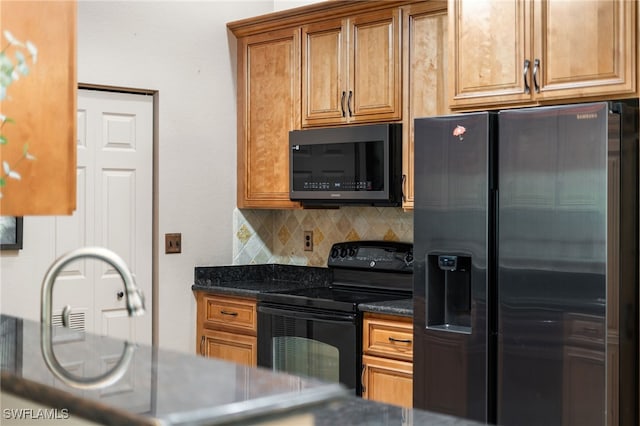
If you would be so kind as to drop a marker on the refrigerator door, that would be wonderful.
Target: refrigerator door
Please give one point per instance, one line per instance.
(552, 227)
(451, 247)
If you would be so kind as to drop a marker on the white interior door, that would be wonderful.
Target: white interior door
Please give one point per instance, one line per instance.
(114, 210)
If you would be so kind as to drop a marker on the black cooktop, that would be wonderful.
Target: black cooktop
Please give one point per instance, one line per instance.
(363, 272)
(331, 298)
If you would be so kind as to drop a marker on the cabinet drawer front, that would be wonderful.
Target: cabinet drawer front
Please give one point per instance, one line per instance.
(230, 313)
(387, 381)
(388, 338)
(583, 329)
(230, 347)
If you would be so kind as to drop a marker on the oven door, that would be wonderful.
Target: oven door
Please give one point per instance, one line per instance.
(324, 345)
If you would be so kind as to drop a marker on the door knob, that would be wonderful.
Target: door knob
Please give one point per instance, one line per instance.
(120, 295)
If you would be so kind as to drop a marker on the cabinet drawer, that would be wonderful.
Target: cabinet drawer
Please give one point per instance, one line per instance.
(232, 347)
(585, 329)
(230, 313)
(388, 337)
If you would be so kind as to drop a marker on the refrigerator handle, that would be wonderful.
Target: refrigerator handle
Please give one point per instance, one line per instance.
(525, 74)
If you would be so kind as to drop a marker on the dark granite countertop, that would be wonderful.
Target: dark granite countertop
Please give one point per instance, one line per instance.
(403, 307)
(250, 280)
(158, 387)
(168, 388)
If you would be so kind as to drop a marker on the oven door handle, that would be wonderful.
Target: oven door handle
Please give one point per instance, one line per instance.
(306, 315)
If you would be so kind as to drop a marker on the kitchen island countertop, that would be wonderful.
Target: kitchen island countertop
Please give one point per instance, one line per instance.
(166, 388)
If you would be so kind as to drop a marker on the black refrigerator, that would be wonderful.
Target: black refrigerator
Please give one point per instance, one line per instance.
(526, 265)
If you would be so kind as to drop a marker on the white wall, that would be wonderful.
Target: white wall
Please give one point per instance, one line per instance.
(183, 50)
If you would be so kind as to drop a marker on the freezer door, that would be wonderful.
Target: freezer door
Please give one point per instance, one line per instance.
(552, 227)
(451, 245)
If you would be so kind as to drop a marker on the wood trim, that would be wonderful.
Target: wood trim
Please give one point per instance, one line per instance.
(331, 9)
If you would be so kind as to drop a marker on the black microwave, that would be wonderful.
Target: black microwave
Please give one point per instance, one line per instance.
(346, 165)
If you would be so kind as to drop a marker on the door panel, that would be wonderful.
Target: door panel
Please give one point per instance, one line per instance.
(115, 142)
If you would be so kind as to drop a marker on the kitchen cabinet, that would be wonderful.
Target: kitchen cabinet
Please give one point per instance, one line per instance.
(351, 69)
(227, 328)
(387, 361)
(268, 108)
(324, 64)
(528, 53)
(424, 67)
(42, 109)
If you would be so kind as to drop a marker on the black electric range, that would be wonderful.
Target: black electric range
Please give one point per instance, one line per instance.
(317, 331)
(363, 272)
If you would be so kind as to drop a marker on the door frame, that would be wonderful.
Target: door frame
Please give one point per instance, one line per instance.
(154, 207)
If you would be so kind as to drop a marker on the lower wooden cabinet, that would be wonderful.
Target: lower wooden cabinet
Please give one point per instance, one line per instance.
(229, 346)
(227, 328)
(387, 380)
(387, 361)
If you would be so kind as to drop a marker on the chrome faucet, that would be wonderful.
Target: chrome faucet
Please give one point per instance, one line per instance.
(135, 307)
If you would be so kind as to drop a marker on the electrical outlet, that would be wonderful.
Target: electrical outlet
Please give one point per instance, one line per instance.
(308, 240)
(173, 243)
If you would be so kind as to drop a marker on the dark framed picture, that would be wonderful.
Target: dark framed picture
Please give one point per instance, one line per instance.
(10, 232)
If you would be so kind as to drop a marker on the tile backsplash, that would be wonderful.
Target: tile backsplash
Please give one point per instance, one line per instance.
(277, 236)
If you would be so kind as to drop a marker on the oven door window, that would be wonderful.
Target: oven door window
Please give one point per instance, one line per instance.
(316, 345)
(306, 357)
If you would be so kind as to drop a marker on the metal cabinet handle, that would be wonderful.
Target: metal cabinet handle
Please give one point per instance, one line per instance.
(394, 340)
(349, 103)
(202, 345)
(232, 314)
(525, 74)
(536, 66)
(404, 184)
(364, 368)
(342, 103)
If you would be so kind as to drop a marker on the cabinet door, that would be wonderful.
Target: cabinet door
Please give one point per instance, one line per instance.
(584, 48)
(268, 108)
(232, 347)
(489, 45)
(324, 73)
(387, 380)
(351, 69)
(42, 109)
(374, 91)
(425, 77)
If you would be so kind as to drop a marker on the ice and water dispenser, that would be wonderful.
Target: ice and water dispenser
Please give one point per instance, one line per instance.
(449, 292)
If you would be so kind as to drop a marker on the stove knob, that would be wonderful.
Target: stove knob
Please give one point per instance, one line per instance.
(408, 259)
(334, 253)
(343, 252)
(352, 252)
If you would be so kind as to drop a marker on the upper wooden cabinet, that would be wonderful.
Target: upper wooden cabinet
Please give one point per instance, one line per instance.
(268, 108)
(424, 75)
(42, 109)
(351, 69)
(530, 52)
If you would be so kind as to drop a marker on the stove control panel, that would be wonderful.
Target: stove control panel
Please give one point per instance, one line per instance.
(372, 255)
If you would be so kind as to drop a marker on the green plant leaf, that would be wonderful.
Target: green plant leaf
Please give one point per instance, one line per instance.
(2, 182)
(3, 140)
